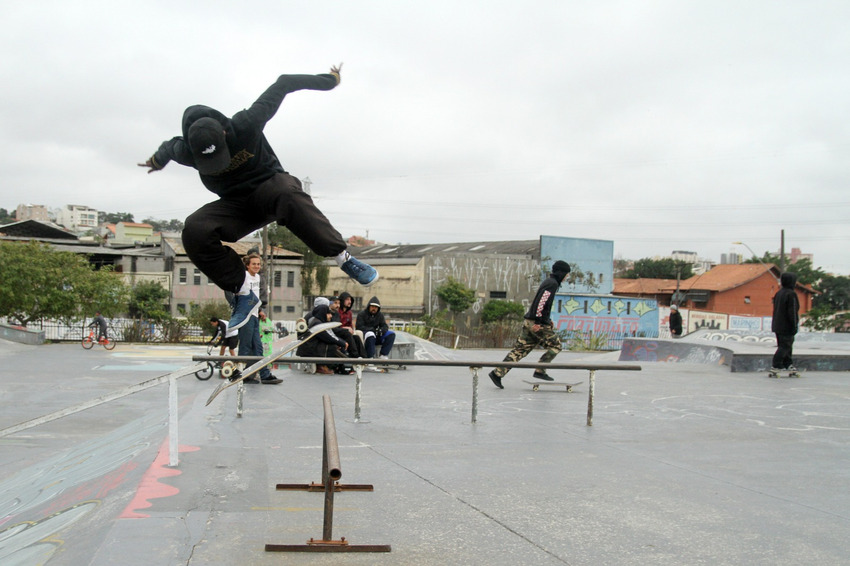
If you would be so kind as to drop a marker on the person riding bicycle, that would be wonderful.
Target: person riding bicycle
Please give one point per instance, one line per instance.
(227, 338)
(101, 326)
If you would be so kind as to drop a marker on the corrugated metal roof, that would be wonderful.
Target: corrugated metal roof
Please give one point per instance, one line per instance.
(529, 248)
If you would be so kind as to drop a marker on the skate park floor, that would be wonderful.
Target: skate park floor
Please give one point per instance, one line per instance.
(684, 464)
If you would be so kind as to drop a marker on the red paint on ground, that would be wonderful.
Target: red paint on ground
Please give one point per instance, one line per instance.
(151, 487)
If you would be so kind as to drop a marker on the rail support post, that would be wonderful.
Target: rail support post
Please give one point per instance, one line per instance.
(591, 391)
(331, 474)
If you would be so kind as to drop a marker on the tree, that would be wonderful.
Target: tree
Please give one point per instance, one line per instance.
(172, 225)
(199, 315)
(114, 217)
(835, 293)
(5, 217)
(666, 268)
(148, 300)
(314, 270)
(38, 282)
(497, 311)
(456, 295)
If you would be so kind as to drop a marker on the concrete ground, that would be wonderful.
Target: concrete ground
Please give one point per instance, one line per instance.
(685, 464)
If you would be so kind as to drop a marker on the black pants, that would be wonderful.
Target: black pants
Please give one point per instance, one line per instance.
(280, 199)
(784, 347)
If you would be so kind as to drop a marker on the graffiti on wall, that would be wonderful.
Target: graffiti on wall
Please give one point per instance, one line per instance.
(608, 314)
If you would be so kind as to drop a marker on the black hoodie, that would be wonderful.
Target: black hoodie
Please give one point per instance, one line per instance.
(252, 160)
(318, 316)
(368, 322)
(541, 306)
(786, 306)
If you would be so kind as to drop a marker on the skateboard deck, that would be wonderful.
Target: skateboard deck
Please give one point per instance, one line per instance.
(535, 385)
(784, 373)
(268, 360)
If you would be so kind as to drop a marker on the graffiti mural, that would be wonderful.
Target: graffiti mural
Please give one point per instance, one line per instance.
(606, 314)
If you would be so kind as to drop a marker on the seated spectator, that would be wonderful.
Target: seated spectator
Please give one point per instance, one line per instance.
(325, 345)
(355, 343)
(373, 325)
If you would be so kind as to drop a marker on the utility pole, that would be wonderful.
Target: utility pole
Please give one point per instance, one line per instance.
(782, 251)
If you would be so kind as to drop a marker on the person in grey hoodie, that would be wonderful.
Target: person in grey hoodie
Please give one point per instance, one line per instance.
(786, 321)
(376, 332)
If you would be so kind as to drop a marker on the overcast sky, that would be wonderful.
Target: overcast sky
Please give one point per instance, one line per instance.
(660, 125)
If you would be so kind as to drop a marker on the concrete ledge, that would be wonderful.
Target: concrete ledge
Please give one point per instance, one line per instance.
(675, 351)
(739, 356)
(22, 335)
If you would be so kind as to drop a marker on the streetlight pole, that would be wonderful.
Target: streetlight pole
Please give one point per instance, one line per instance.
(757, 257)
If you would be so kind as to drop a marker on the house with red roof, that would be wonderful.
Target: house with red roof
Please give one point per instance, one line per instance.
(745, 289)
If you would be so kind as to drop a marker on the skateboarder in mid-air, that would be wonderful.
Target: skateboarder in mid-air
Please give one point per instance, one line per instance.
(537, 328)
(236, 162)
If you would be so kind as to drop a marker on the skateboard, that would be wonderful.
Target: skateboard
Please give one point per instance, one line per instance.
(535, 385)
(268, 360)
(783, 373)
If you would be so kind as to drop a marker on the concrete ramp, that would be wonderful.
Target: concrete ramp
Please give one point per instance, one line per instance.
(673, 351)
(742, 350)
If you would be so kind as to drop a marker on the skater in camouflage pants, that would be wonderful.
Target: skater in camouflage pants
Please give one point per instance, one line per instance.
(537, 328)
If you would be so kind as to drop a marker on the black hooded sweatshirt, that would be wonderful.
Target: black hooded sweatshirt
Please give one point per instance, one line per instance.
(318, 316)
(786, 306)
(252, 160)
(368, 322)
(541, 306)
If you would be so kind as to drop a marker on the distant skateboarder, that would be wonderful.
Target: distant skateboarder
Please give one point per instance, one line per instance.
(786, 321)
(236, 162)
(538, 328)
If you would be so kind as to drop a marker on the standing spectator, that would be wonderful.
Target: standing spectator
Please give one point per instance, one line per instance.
(675, 322)
(538, 328)
(250, 343)
(266, 333)
(786, 321)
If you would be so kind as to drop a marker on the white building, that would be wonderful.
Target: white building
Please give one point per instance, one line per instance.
(78, 218)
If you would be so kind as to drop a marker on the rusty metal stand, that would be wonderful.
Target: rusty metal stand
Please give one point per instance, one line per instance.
(331, 474)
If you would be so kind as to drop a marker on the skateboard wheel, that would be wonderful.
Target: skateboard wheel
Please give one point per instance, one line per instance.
(301, 326)
(227, 371)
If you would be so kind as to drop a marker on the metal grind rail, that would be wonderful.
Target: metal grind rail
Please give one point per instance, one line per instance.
(129, 390)
(473, 365)
(331, 474)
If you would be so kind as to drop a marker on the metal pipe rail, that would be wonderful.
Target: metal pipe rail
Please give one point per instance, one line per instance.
(473, 365)
(331, 474)
(173, 416)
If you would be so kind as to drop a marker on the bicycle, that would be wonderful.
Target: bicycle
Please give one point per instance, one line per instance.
(89, 341)
(207, 372)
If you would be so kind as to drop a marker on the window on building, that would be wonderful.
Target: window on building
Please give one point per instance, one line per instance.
(196, 277)
(181, 308)
(182, 275)
(277, 309)
(498, 294)
(290, 309)
(277, 278)
(290, 279)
